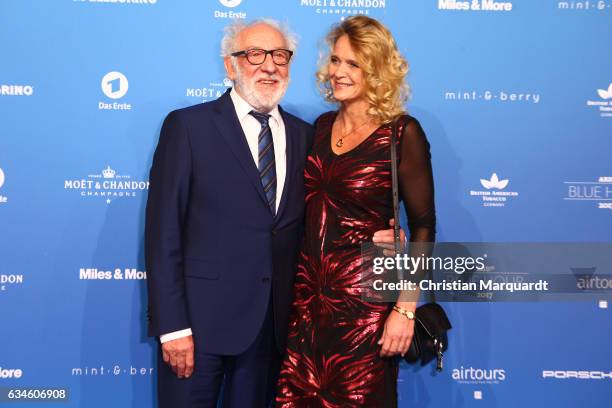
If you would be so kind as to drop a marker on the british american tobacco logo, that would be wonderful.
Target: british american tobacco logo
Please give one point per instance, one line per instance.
(494, 194)
(604, 103)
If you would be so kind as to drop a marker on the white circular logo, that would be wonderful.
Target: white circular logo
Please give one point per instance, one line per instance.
(1, 177)
(114, 85)
(230, 3)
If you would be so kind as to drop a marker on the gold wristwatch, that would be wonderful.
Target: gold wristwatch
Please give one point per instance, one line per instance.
(409, 314)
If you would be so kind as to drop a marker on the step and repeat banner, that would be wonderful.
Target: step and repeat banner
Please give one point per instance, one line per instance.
(515, 97)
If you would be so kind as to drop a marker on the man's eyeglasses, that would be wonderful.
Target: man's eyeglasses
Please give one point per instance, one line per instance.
(257, 56)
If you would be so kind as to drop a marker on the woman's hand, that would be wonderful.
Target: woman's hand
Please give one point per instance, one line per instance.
(385, 239)
(397, 335)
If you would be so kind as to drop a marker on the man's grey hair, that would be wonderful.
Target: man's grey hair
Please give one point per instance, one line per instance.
(229, 43)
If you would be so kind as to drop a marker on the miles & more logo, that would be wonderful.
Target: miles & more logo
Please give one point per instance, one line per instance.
(6, 373)
(108, 185)
(117, 274)
(475, 5)
(494, 194)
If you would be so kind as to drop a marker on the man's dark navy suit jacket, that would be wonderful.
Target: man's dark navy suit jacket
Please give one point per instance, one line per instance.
(214, 251)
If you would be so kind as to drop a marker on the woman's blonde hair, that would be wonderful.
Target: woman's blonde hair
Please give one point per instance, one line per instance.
(383, 66)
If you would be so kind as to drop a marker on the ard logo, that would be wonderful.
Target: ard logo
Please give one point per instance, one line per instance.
(230, 3)
(114, 85)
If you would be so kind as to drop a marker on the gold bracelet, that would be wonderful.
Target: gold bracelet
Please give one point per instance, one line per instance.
(409, 314)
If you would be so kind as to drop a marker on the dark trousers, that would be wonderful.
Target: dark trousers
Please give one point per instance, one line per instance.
(247, 380)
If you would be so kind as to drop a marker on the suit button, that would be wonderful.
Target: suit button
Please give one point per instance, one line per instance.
(274, 232)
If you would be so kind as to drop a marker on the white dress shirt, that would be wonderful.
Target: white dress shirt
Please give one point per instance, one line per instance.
(251, 128)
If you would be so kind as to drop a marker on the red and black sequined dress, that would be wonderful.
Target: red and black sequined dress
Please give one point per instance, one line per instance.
(332, 357)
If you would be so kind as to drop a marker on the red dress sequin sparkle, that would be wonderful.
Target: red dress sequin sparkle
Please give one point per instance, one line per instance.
(332, 357)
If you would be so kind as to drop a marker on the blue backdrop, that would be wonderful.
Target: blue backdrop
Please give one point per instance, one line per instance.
(517, 90)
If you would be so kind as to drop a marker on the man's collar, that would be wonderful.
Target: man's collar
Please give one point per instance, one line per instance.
(243, 108)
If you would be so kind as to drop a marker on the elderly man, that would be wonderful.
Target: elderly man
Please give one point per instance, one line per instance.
(224, 219)
(223, 225)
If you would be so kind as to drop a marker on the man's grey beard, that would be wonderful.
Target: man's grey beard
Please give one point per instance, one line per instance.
(261, 103)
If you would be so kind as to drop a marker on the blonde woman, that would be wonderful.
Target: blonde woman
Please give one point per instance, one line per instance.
(341, 349)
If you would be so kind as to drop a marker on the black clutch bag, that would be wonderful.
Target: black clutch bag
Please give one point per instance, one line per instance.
(431, 323)
(429, 340)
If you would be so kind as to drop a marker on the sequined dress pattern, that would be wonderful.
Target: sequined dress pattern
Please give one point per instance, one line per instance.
(332, 357)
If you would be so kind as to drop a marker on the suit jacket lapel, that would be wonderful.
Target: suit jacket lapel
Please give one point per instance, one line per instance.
(227, 124)
(291, 133)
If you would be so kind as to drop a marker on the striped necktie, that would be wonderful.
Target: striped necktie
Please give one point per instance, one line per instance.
(267, 165)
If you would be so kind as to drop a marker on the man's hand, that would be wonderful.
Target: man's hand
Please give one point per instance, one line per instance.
(384, 239)
(178, 354)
